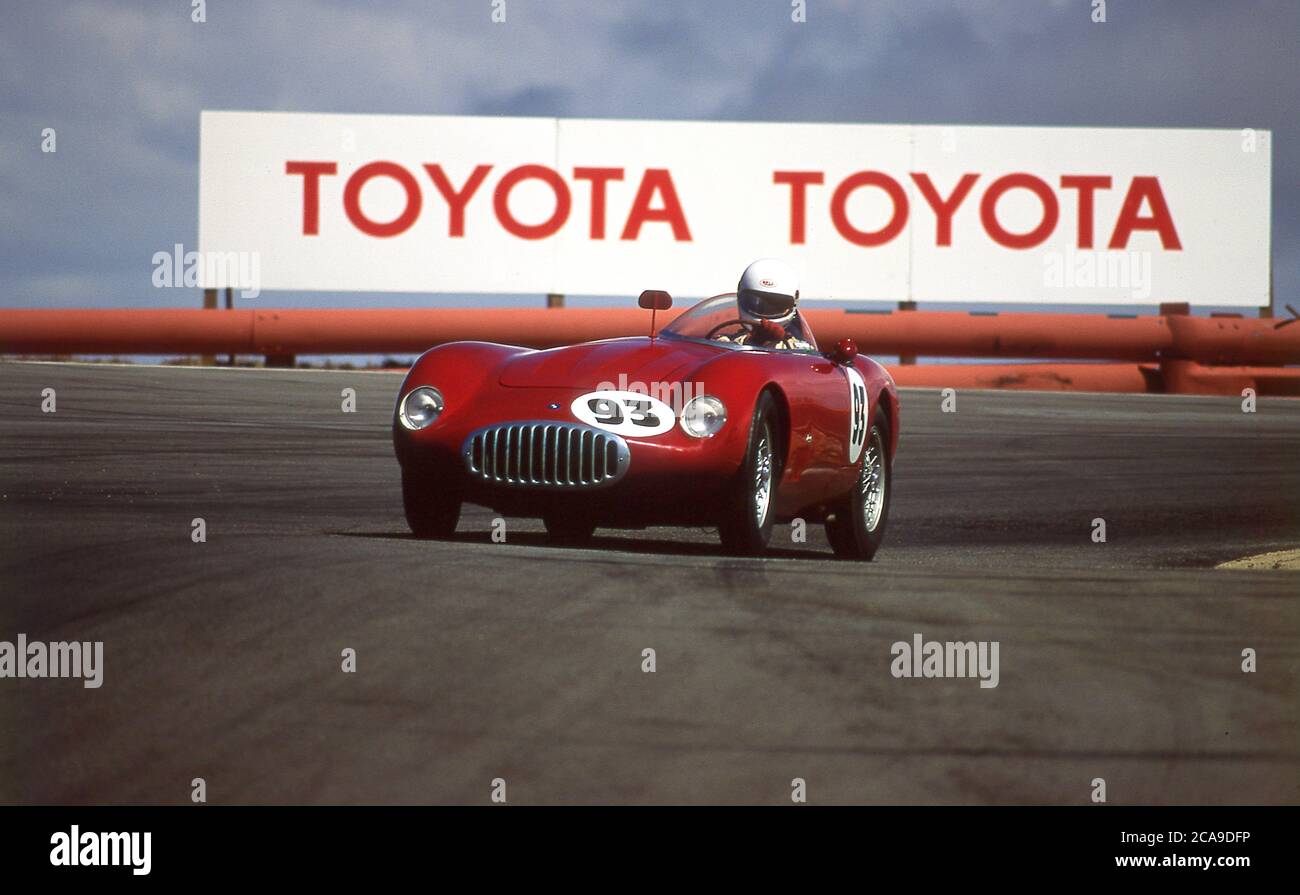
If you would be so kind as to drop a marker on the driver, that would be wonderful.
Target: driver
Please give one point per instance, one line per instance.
(767, 298)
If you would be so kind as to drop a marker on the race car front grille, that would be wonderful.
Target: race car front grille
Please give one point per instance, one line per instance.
(546, 455)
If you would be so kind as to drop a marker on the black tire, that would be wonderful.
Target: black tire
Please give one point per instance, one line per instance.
(567, 529)
(742, 531)
(849, 529)
(432, 509)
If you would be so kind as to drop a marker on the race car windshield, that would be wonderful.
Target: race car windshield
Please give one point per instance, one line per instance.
(703, 321)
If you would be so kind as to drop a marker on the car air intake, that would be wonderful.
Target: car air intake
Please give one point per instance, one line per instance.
(546, 455)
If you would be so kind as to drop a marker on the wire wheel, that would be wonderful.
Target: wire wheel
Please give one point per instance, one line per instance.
(872, 482)
(763, 477)
(749, 508)
(856, 527)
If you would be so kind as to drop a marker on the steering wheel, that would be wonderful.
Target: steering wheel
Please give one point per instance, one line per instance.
(724, 324)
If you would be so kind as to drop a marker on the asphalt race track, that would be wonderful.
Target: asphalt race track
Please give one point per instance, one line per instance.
(478, 660)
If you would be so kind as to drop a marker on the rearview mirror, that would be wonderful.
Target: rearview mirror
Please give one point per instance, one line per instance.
(844, 351)
(655, 300)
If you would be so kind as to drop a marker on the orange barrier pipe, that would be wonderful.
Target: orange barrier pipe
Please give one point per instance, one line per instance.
(1182, 377)
(1190, 378)
(379, 331)
(1129, 378)
(1018, 334)
(1235, 340)
(412, 331)
(126, 331)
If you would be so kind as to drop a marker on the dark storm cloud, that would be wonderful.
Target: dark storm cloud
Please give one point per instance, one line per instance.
(123, 82)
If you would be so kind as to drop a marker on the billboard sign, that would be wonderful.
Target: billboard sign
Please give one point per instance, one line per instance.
(865, 211)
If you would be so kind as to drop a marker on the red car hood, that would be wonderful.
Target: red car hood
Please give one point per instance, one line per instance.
(588, 365)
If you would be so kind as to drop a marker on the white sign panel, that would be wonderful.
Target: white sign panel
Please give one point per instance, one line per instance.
(864, 211)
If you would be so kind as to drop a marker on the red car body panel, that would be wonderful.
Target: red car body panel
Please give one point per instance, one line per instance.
(672, 478)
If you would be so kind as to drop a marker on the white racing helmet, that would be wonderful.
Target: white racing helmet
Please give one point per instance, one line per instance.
(768, 290)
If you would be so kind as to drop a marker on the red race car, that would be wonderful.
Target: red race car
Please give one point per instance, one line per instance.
(687, 427)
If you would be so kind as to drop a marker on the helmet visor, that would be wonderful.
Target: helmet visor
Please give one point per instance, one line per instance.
(767, 305)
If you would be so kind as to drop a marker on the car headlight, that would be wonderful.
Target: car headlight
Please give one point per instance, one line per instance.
(420, 407)
(702, 417)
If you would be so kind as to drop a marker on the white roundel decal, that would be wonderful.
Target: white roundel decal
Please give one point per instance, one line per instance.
(857, 413)
(624, 413)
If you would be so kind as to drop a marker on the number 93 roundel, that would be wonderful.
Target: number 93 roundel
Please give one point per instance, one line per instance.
(857, 413)
(625, 413)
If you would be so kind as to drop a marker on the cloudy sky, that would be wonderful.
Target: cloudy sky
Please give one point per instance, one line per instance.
(123, 84)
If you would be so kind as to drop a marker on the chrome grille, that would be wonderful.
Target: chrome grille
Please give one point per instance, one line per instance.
(546, 454)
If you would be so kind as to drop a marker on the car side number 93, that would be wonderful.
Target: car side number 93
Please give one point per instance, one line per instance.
(857, 413)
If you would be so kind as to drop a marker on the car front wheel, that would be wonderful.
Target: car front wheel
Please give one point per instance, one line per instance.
(746, 524)
(857, 528)
(432, 509)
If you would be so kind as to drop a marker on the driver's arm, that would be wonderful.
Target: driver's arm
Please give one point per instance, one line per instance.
(793, 334)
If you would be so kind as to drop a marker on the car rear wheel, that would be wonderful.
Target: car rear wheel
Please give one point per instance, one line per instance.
(746, 524)
(564, 529)
(857, 528)
(432, 509)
